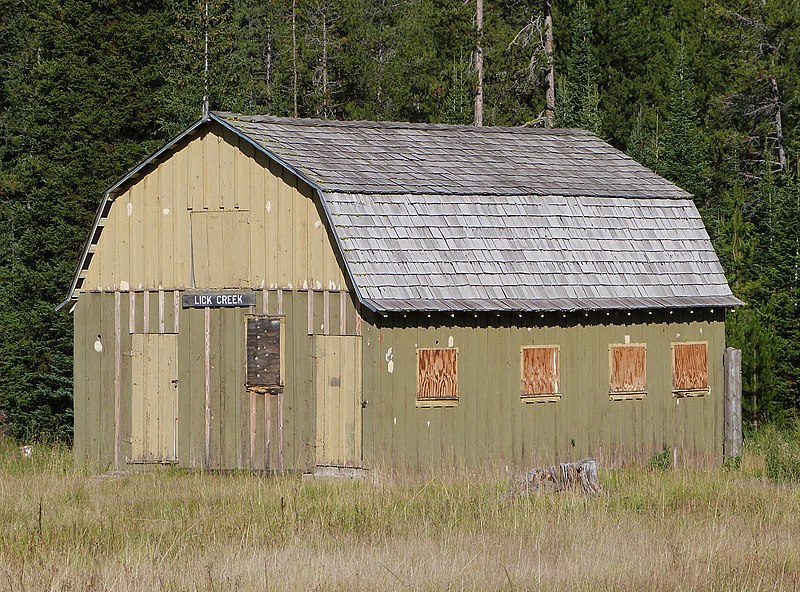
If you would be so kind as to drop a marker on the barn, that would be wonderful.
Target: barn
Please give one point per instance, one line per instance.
(288, 294)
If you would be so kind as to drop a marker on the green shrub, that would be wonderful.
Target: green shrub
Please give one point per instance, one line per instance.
(782, 454)
(660, 460)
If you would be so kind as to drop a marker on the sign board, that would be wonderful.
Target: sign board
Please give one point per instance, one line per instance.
(219, 299)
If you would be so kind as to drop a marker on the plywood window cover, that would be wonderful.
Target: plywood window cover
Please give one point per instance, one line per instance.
(268, 389)
(448, 397)
(551, 395)
(622, 394)
(690, 391)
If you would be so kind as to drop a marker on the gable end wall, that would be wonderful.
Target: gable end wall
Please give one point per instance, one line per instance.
(214, 213)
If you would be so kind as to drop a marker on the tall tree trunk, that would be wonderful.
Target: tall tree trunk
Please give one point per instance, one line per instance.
(550, 89)
(776, 100)
(206, 104)
(325, 106)
(479, 63)
(294, 56)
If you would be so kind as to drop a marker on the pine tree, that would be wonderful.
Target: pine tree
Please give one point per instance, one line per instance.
(577, 95)
(681, 156)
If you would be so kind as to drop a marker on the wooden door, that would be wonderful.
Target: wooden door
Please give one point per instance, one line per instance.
(338, 386)
(154, 402)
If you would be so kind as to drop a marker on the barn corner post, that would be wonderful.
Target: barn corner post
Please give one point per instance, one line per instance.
(732, 446)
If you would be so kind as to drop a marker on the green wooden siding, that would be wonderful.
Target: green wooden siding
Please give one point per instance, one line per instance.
(491, 424)
(232, 405)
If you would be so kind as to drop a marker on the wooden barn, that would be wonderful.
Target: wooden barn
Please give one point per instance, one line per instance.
(288, 294)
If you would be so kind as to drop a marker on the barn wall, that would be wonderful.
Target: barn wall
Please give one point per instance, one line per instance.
(492, 424)
(214, 214)
(246, 429)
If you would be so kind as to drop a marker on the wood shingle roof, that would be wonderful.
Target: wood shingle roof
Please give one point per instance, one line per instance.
(434, 217)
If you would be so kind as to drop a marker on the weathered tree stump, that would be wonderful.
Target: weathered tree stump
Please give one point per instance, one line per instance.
(582, 473)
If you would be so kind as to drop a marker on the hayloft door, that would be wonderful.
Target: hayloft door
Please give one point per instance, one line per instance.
(154, 398)
(338, 387)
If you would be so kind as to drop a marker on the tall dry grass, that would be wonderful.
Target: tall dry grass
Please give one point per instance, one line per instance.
(169, 530)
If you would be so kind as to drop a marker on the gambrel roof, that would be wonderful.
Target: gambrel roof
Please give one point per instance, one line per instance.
(457, 218)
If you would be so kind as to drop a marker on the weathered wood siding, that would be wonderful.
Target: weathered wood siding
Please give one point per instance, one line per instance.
(246, 429)
(492, 424)
(214, 214)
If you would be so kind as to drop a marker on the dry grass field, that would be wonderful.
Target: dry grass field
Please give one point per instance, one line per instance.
(649, 530)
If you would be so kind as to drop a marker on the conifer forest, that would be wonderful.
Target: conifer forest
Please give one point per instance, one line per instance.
(704, 92)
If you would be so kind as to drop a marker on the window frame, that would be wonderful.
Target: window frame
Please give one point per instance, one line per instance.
(267, 389)
(680, 393)
(540, 397)
(626, 395)
(442, 400)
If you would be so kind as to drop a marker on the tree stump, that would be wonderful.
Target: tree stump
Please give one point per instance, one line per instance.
(582, 473)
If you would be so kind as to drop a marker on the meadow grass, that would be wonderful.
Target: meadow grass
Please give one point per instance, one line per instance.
(452, 530)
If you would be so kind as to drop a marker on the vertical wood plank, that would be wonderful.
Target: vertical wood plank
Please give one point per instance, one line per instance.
(317, 247)
(271, 206)
(733, 403)
(310, 304)
(122, 230)
(326, 313)
(137, 396)
(181, 221)
(135, 212)
(343, 313)
(195, 160)
(207, 383)
(286, 229)
(131, 312)
(161, 311)
(176, 305)
(80, 375)
(166, 225)
(246, 167)
(117, 374)
(253, 426)
(259, 274)
(211, 197)
(152, 235)
(228, 170)
(146, 312)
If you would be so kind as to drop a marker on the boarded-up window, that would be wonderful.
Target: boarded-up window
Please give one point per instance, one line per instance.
(628, 364)
(437, 374)
(540, 371)
(690, 368)
(264, 353)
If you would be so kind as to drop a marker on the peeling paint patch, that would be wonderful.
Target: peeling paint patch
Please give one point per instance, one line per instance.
(317, 224)
(627, 339)
(130, 209)
(390, 360)
(165, 211)
(450, 341)
(269, 207)
(98, 345)
(124, 286)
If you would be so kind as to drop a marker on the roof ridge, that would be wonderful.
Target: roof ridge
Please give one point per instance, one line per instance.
(366, 124)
